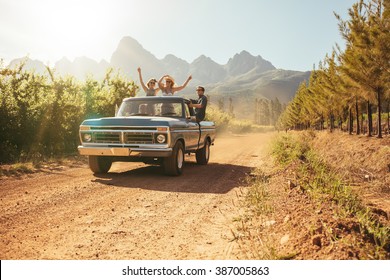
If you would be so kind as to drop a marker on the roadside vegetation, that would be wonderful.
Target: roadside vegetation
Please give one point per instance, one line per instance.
(322, 216)
(351, 83)
(227, 123)
(40, 115)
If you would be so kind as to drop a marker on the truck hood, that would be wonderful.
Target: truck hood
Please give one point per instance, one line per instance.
(134, 121)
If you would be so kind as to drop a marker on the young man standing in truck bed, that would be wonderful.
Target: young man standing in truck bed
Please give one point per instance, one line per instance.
(200, 104)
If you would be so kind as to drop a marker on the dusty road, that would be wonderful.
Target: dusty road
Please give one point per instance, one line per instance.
(134, 212)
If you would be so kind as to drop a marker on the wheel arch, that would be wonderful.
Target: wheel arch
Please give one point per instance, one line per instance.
(181, 139)
(206, 138)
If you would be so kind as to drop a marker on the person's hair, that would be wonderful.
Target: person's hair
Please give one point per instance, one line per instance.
(169, 78)
(151, 80)
(200, 88)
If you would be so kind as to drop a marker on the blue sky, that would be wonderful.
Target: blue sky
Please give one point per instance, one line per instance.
(292, 35)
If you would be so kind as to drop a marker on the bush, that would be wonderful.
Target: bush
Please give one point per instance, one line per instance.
(40, 115)
(286, 148)
(226, 123)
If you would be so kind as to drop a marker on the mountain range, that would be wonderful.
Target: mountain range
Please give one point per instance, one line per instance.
(243, 78)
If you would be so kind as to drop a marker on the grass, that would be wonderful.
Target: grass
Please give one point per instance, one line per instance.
(256, 204)
(258, 197)
(323, 186)
(288, 148)
(17, 169)
(318, 180)
(29, 167)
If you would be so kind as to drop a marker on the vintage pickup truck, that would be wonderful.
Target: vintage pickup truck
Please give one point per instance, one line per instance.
(154, 130)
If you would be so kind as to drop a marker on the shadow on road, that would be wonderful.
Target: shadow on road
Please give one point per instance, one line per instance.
(211, 178)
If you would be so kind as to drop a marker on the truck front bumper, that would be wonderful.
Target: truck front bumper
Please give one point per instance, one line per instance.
(119, 151)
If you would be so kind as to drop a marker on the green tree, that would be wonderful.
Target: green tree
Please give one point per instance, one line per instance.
(40, 114)
(366, 59)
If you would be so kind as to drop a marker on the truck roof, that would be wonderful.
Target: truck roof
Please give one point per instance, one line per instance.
(158, 98)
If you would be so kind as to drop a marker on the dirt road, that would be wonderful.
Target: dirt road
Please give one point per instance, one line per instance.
(134, 212)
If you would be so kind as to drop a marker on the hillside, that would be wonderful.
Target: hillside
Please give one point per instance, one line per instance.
(281, 84)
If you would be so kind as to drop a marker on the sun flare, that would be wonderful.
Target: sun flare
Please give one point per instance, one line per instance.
(75, 28)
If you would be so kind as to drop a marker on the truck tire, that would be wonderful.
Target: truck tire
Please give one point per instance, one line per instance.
(99, 165)
(173, 165)
(203, 155)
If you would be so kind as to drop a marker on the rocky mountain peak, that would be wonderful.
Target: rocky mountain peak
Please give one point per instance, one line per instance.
(244, 62)
(130, 55)
(207, 70)
(128, 42)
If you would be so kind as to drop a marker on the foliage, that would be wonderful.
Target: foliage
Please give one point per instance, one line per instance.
(286, 149)
(225, 122)
(267, 112)
(40, 115)
(348, 81)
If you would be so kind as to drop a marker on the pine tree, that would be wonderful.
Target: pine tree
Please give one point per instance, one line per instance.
(366, 59)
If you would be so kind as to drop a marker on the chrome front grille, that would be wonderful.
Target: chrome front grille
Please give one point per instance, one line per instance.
(126, 136)
(138, 138)
(123, 137)
(107, 137)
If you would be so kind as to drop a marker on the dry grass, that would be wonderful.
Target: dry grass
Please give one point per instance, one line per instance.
(354, 155)
(330, 201)
(54, 164)
(362, 162)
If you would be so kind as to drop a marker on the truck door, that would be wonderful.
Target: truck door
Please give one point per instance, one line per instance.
(192, 135)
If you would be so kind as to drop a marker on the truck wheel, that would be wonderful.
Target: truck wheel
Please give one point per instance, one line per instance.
(99, 164)
(173, 165)
(203, 155)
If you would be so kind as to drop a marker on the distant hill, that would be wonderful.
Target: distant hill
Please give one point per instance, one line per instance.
(30, 65)
(245, 88)
(81, 67)
(268, 84)
(244, 77)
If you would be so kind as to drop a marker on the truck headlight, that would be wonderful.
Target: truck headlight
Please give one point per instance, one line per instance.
(161, 138)
(87, 137)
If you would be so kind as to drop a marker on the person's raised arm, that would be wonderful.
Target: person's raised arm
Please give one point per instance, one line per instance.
(184, 85)
(160, 84)
(141, 80)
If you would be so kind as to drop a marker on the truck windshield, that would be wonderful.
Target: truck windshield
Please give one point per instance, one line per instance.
(150, 108)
